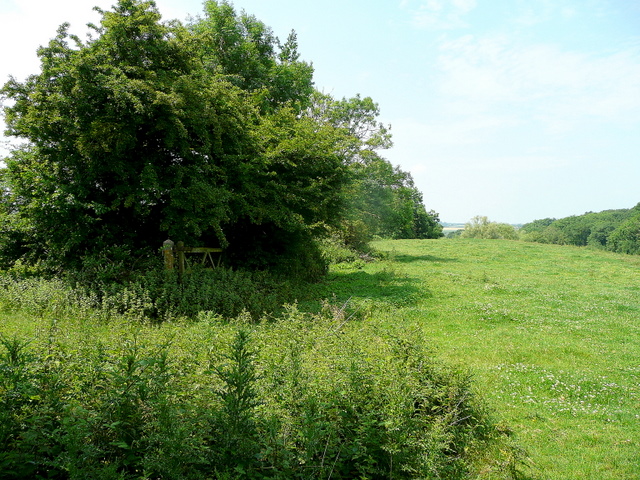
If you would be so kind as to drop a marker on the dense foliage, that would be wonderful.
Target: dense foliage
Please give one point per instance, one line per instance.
(140, 133)
(626, 237)
(210, 133)
(309, 396)
(615, 230)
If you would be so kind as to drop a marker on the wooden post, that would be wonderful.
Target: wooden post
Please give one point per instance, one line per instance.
(180, 249)
(167, 253)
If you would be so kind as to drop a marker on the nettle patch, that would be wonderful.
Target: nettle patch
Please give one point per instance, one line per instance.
(330, 395)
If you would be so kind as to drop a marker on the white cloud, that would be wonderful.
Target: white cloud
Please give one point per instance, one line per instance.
(543, 82)
(438, 14)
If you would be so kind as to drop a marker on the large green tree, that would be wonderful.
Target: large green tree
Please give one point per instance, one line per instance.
(210, 132)
(382, 199)
(247, 53)
(137, 133)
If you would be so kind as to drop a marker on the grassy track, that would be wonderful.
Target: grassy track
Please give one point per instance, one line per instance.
(551, 333)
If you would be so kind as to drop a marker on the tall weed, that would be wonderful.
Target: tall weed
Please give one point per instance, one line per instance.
(156, 295)
(309, 396)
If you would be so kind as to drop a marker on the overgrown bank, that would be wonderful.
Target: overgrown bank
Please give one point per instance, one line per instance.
(332, 395)
(549, 332)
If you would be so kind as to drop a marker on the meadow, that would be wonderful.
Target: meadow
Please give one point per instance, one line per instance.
(450, 358)
(550, 333)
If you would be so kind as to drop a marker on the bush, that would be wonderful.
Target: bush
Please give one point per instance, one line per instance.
(481, 227)
(354, 234)
(550, 234)
(335, 250)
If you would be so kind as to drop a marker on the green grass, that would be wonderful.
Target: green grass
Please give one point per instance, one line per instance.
(550, 333)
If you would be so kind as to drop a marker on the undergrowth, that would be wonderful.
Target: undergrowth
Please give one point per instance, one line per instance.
(155, 295)
(330, 395)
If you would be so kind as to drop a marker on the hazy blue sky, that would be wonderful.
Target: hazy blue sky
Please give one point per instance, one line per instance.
(513, 109)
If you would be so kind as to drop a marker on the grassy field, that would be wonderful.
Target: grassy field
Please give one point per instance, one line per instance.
(550, 333)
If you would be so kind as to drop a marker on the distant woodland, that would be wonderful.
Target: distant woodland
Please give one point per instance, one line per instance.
(614, 230)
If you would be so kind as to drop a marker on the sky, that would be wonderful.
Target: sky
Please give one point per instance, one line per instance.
(512, 109)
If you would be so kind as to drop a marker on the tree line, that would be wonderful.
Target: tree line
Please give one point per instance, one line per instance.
(614, 230)
(210, 132)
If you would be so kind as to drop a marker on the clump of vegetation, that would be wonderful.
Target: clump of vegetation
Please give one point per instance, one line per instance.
(309, 396)
(156, 295)
(481, 227)
(209, 132)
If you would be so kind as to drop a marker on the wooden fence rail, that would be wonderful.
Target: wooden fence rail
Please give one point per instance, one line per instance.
(175, 254)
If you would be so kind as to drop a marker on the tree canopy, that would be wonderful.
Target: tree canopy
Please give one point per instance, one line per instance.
(210, 132)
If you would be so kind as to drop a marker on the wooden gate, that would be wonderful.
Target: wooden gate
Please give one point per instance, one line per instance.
(175, 254)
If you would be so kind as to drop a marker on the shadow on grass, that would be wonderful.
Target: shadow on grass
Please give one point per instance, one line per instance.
(400, 258)
(385, 288)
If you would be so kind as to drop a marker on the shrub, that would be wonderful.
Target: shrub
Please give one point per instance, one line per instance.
(354, 234)
(481, 227)
(550, 234)
(334, 250)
